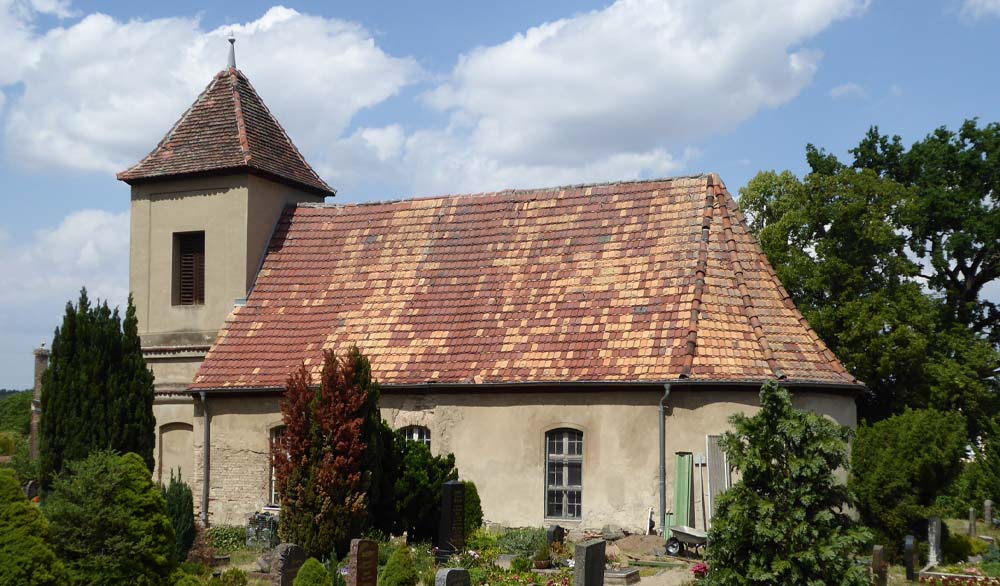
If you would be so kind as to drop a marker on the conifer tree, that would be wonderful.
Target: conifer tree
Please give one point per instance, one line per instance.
(320, 464)
(97, 392)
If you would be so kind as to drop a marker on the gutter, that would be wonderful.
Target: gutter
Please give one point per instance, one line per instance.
(206, 460)
(663, 459)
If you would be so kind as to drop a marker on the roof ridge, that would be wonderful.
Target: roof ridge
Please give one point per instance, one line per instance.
(749, 309)
(510, 191)
(284, 133)
(701, 268)
(241, 124)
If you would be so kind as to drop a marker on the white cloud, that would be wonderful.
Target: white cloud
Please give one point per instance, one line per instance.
(99, 94)
(976, 9)
(848, 90)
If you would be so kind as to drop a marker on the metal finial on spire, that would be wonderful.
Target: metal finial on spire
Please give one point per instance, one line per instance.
(232, 50)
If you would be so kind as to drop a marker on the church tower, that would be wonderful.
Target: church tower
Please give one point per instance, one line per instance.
(204, 204)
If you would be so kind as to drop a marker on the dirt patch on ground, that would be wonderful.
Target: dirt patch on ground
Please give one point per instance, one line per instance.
(641, 546)
(670, 577)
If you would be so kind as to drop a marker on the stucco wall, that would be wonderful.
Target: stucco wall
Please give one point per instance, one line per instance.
(174, 430)
(498, 442)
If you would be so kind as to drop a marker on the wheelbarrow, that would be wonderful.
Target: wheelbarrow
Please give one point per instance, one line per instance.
(685, 537)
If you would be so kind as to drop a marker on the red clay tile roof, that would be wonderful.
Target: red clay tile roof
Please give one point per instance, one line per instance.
(646, 281)
(227, 129)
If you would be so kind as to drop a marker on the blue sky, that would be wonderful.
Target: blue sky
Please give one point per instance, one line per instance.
(390, 100)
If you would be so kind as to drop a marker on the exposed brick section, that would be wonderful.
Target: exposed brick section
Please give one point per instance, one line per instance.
(642, 281)
(227, 129)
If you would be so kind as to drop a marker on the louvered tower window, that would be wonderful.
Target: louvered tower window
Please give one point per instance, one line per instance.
(189, 268)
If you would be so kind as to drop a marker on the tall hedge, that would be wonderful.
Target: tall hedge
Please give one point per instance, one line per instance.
(418, 481)
(97, 393)
(110, 523)
(900, 465)
(180, 508)
(26, 558)
(784, 521)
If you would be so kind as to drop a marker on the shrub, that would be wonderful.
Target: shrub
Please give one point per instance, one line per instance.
(898, 473)
(109, 522)
(473, 508)
(542, 552)
(8, 443)
(27, 558)
(15, 413)
(520, 564)
(226, 538)
(201, 551)
(521, 542)
(956, 548)
(399, 571)
(187, 580)
(782, 523)
(180, 507)
(231, 577)
(419, 478)
(312, 573)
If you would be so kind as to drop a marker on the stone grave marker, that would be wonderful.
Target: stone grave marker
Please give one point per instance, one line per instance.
(555, 534)
(589, 563)
(288, 558)
(934, 541)
(910, 558)
(988, 513)
(31, 490)
(879, 567)
(451, 531)
(363, 563)
(972, 521)
(452, 577)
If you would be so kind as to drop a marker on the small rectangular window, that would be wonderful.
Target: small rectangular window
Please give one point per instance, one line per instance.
(189, 268)
(564, 477)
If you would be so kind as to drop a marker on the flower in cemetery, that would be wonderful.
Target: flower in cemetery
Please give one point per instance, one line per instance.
(700, 570)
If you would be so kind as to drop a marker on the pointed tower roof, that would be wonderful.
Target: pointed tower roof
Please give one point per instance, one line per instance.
(228, 129)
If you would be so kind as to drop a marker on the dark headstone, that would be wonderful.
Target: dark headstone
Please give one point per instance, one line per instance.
(288, 558)
(988, 513)
(879, 567)
(452, 577)
(31, 490)
(555, 534)
(972, 521)
(363, 563)
(451, 531)
(934, 541)
(910, 558)
(589, 563)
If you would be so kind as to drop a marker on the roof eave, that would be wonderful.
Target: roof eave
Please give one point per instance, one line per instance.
(146, 179)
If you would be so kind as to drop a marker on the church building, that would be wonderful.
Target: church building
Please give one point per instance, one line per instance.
(565, 343)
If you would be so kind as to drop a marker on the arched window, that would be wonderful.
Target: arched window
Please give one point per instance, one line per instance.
(274, 438)
(418, 433)
(564, 474)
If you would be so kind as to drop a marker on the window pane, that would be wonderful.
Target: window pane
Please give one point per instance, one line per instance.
(575, 474)
(555, 505)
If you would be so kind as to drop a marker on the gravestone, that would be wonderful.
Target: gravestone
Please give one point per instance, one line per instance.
(910, 558)
(555, 534)
(934, 541)
(31, 490)
(363, 563)
(452, 577)
(589, 563)
(988, 513)
(972, 522)
(879, 575)
(451, 531)
(288, 558)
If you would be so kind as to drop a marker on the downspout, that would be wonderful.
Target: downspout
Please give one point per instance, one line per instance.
(663, 459)
(206, 460)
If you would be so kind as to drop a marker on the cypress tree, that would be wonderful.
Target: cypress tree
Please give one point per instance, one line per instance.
(97, 393)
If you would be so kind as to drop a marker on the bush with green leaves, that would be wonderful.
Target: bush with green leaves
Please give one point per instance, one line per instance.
(26, 558)
(979, 479)
(399, 570)
(418, 481)
(231, 577)
(783, 522)
(226, 538)
(180, 507)
(473, 508)
(521, 542)
(901, 465)
(187, 580)
(109, 522)
(15, 413)
(8, 443)
(312, 573)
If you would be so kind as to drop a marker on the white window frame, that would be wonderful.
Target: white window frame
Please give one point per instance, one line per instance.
(273, 436)
(559, 463)
(418, 433)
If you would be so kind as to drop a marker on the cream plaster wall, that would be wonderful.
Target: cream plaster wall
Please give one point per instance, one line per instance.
(498, 442)
(174, 428)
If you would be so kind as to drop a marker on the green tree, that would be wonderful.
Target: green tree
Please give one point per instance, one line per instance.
(110, 524)
(15, 413)
(97, 393)
(320, 464)
(180, 507)
(26, 559)
(473, 508)
(846, 242)
(418, 482)
(783, 522)
(899, 467)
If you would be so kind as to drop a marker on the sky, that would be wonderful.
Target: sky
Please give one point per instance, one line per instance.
(391, 100)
